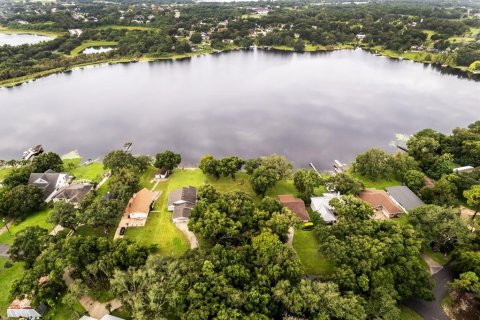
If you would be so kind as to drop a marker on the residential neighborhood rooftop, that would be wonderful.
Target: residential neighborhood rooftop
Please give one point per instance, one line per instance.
(405, 197)
(185, 194)
(322, 206)
(141, 202)
(48, 182)
(296, 205)
(73, 193)
(380, 201)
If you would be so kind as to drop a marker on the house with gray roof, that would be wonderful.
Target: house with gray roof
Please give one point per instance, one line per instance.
(181, 202)
(405, 197)
(49, 182)
(22, 308)
(73, 193)
(322, 206)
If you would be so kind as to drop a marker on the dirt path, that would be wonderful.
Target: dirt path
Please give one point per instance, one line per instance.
(4, 228)
(95, 308)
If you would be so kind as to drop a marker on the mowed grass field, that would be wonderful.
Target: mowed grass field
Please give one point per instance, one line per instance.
(91, 172)
(7, 277)
(39, 218)
(4, 172)
(306, 245)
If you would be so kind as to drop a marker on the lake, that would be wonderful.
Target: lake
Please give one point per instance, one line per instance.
(19, 39)
(308, 107)
(93, 50)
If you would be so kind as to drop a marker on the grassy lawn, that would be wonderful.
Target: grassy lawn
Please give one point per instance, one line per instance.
(7, 277)
(64, 312)
(380, 184)
(91, 172)
(37, 219)
(89, 44)
(4, 172)
(146, 178)
(306, 245)
(409, 314)
(438, 257)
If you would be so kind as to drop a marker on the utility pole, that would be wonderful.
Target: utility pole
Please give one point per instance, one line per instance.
(6, 225)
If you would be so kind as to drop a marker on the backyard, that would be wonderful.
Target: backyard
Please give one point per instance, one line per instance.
(91, 172)
(39, 218)
(307, 247)
(7, 277)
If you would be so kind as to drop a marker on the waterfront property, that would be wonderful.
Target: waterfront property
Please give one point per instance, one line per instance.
(404, 197)
(49, 182)
(296, 205)
(384, 206)
(140, 204)
(322, 206)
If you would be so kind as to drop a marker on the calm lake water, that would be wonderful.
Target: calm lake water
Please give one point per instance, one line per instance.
(308, 107)
(19, 39)
(93, 50)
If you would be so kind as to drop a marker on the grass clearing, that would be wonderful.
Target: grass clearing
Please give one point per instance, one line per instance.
(4, 172)
(91, 172)
(90, 44)
(380, 184)
(438, 256)
(408, 314)
(37, 219)
(64, 312)
(7, 277)
(306, 245)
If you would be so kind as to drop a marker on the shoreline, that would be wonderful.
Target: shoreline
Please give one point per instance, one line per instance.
(460, 71)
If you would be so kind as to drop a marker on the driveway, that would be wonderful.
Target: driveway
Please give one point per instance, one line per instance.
(3, 250)
(183, 226)
(432, 310)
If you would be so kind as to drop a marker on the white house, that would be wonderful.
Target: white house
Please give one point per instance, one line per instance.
(49, 182)
(321, 205)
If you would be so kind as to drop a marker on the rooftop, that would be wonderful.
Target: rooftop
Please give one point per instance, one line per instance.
(297, 206)
(141, 201)
(185, 194)
(379, 199)
(322, 206)
(405, 197)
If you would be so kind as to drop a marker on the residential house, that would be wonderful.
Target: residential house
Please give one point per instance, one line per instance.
(181, 202)
(297, 206)
(383, 205)
(73, 193)
(23, 309)
(110, 317)
(404, 197)
(49, 182)
(140, 204)
(322, 206)
(161, 174)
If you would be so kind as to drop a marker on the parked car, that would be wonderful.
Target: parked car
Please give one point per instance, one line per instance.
(122, 231)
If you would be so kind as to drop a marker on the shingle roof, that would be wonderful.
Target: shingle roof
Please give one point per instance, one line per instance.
(182, 211)
(297, 206)
(379, 198)
(74, 193)
(322, 206)
(141, 201)
(186, 194)
(45, 181)
(405, 197)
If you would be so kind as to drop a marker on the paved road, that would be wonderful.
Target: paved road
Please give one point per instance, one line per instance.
(432, 310)
(3, 250)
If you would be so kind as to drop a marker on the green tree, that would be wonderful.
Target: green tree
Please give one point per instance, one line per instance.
(196, 38)
(401, 163)
(441, 165)
(123, 185)
(17, 177)
(168, 160)
(344, 184)
(415, 180)
(306, 181)
(28, 245)
(267, 171)
(229, 166)
(373, 164)
(103, 213)
(351, 207)
(468, 281)
(46, 161)
(473, 199)
(443, 193)
(66, 215)
(440, 228)
(210, 166)
(118, 159)
(22, 201)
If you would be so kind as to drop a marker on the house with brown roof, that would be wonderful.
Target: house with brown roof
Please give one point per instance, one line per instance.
(381, 202)
(181, 202)
(140, 204)
(296, 205)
